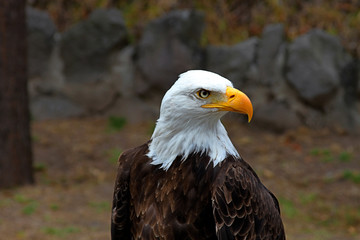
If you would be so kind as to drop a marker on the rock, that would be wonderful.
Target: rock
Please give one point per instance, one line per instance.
(271, 54)
(232, 62)
(52, 81)
(340, 114)
(313, 66)
(122, 71)
(349, 82)
(344, 111)
(85, 48)
(40, 39)
(54, 107)
(135, 110)
(169, 46)
(95, 97)
(277, 116)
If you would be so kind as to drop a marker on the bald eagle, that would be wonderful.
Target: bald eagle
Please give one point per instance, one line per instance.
(188, 181)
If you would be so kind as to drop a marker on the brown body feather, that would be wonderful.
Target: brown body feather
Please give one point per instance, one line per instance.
(191, 200)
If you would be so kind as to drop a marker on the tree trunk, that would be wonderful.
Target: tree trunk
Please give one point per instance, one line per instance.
(15, 143)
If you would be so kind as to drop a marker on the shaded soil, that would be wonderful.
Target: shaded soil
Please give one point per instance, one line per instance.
(314, 174)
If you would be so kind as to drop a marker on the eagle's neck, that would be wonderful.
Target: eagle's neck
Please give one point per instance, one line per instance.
(176, 137)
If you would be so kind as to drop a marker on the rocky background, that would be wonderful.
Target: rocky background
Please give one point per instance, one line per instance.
(94, 68)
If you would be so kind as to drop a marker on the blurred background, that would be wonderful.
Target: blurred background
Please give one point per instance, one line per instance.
(82, 81)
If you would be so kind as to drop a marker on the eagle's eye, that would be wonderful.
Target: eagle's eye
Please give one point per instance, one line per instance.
(203, 93)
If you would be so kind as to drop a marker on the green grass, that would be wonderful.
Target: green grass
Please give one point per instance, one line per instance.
(30, 208)
(60, 231)
(116, 123)
(351, 176)
(318, 234)
(54, 207)
(113, 155)
(320, 152)
(352, 217)
(102, 206)
(307, 198)
(39, 167)
(19, 198)
(330, 222)
(315, 152)
(35, 138)
(288, 207)
(29, 205)
(345, 156)
(21, 234)
(325, 155)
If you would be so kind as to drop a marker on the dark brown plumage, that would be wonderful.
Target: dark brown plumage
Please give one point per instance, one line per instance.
(192, 200)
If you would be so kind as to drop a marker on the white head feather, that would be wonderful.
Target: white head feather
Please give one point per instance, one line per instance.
(184, 127)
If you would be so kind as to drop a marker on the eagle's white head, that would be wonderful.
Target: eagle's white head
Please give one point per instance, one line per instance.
(190, 118)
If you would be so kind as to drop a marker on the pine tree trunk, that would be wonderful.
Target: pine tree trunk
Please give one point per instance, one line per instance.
(15, 143)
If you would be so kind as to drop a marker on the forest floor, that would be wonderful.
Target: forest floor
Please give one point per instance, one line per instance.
(315, 174)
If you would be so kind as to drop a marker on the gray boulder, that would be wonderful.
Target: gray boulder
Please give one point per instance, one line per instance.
(277, 116)
(40, 39)
(95, 97)
(232, 62)
(169, 46)
(52, 80)
(85, 48)
(122, 72)
(313, 66)
(271, 54)
(54, 107)
(350, 82)
(135, 110)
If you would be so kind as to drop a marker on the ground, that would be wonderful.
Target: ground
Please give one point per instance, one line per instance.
(315, 174)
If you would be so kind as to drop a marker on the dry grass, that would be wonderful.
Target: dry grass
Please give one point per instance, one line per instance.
(75, 173)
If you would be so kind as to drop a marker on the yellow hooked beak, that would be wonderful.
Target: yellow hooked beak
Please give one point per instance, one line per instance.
(234, 101)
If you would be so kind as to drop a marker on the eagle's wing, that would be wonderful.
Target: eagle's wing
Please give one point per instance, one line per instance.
(120, 219)
(242, 207)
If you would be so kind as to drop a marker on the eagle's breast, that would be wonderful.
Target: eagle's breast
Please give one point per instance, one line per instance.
(173, 204)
